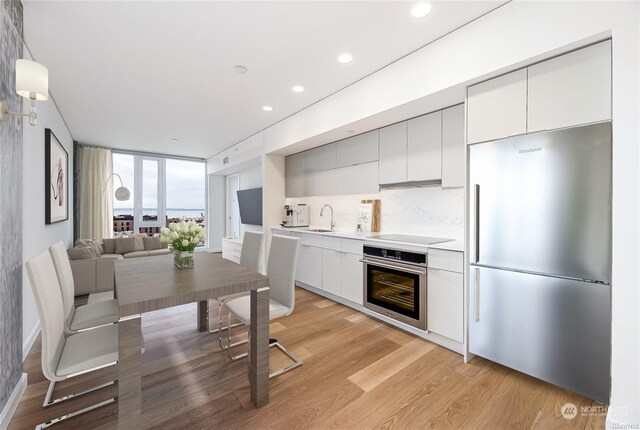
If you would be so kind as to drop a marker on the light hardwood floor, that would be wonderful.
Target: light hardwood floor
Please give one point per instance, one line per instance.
(358, 373)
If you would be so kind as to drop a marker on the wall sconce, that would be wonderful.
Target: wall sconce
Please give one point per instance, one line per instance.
(122, 193)
(32, 82)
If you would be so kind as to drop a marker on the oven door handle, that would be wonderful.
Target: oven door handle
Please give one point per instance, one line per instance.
(395, 267)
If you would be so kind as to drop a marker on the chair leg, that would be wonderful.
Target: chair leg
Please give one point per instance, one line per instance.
(220, 328)
(49, 402)
(52, 387)
(230, 345)
(296, 361)
(53, 421)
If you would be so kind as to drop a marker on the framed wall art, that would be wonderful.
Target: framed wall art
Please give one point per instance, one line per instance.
(56, 179)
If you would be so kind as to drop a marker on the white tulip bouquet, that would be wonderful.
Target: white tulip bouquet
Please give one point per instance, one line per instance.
(183, 236)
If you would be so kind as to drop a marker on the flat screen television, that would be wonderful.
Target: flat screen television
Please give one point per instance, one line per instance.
(250, 205)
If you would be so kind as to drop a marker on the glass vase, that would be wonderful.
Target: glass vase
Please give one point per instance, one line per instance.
(183, 259)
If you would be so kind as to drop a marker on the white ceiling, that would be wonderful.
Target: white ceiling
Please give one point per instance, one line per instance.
(134, 75)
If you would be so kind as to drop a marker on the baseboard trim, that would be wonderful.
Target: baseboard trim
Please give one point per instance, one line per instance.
(30, 341)
(12, 404)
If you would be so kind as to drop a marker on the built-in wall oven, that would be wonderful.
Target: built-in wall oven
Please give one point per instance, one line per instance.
(395, 284)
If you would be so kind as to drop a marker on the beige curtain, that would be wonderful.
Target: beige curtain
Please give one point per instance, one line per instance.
(96, 193)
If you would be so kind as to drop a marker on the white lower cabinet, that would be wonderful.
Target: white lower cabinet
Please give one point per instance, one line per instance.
(445, 298)
(309, 269)
(331, 271)
(331, 264)
(351, 273)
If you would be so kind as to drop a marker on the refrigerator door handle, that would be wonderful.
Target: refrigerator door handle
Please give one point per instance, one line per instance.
(476, 223)
(476, 295)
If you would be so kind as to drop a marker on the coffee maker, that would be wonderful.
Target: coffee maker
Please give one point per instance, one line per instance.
(296, 215)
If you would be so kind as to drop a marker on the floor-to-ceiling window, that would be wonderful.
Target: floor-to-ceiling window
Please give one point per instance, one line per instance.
(163, 190)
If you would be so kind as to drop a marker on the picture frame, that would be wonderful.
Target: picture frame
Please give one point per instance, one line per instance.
(56, 179)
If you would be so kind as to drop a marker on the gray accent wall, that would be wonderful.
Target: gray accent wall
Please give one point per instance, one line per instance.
(10, 204)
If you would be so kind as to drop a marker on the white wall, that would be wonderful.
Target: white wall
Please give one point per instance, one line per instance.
(37, 236)
(418, 211)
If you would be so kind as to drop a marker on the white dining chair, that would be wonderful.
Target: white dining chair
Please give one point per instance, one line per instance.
(249, 258)
(63, 358)
(281, 270)
(83, 317)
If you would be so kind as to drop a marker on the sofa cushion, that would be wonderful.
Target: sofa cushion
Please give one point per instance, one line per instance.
(151, 243)
(135, 254)
(108, 246)
(125, 244)
(162, 251)
(139, 242)
(81, 253)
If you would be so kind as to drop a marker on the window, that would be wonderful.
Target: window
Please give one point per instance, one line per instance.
(163, 190)
(185, 190)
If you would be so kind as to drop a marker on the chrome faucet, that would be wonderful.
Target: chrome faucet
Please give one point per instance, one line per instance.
(333, 223)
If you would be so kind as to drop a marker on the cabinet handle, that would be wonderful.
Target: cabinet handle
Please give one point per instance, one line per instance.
(476, 296)
(476, 223)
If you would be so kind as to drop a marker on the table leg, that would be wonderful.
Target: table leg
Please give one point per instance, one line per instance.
(129, 373)
(203, 315)
(259, 347)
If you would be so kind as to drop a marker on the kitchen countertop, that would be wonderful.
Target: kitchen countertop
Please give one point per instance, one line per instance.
(452, 245)
(335, 233)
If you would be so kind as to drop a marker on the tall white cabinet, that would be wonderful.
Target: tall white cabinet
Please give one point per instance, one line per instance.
(454, 171)
(424, 147)
(393, 154)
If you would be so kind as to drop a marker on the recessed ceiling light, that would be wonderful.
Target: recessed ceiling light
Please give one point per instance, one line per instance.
(241, 70)
(420, 10)
(297, 88)
(267, 108)
(174, 140)
(345, 58)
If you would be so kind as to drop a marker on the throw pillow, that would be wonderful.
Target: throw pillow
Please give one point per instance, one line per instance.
(98, 246)
(109, 246)
(125, 245)
(91, 243)
(151, 243)
(80, 253)
(139, 242)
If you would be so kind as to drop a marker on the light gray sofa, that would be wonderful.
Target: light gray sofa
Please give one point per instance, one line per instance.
(96, 274)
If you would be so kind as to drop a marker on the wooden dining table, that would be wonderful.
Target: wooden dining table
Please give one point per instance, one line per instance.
(147, 284)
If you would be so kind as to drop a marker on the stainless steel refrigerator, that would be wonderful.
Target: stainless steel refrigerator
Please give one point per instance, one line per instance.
(540, 240)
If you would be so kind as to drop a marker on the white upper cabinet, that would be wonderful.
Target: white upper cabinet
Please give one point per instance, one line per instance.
(497, 108)
(322, 158)
(393, 154)
(358, 179)
(295, 186)
(294, 165)
(453, 147)
(358, 149)
(320, 183)
(424, 146)
(571, 89)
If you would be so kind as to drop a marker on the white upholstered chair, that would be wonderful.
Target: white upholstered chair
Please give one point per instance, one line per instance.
(83, 317)
(64, 358)
(281, 270)
(249, 258)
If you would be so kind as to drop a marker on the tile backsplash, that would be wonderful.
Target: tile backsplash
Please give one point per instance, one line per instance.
(429, 211)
